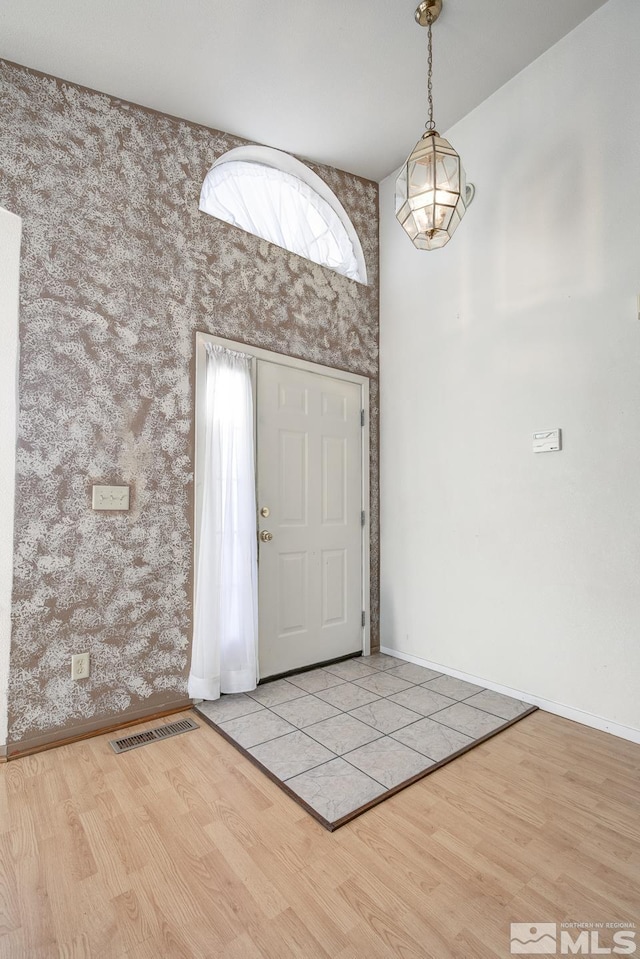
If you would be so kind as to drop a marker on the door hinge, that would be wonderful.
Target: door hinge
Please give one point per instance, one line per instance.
(363, 518)
(361, 417)
(364, 617)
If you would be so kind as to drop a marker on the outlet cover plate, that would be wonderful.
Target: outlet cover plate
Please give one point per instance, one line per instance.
(80, 666)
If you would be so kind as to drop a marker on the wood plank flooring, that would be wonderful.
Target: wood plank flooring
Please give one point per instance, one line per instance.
(183, 848)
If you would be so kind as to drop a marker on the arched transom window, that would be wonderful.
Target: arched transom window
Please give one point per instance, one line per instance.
(278, 198)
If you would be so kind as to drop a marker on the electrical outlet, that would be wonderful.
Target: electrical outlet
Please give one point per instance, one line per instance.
(80, 666)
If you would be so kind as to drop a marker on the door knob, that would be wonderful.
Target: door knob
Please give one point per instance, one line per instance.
(266, 536)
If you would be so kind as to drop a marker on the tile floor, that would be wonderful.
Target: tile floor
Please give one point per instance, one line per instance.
(341, 737)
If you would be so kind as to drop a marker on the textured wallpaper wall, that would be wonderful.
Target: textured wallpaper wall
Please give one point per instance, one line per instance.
(119, 268)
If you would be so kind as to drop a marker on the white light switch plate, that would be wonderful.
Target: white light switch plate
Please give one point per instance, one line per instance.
(547, 441)
(110, 497)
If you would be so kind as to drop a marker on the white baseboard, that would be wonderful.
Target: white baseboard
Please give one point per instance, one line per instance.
(568, 712)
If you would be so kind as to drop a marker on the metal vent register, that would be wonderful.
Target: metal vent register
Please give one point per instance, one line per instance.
(152, 735)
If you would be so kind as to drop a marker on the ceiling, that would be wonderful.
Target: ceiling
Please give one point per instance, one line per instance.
(337, 81)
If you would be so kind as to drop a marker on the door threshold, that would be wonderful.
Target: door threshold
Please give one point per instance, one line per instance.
(307, 669)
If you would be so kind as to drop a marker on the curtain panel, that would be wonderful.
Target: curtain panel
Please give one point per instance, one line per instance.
(225, 641)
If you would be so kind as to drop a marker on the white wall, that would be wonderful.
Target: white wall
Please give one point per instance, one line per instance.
(10, 231)
(517, 568)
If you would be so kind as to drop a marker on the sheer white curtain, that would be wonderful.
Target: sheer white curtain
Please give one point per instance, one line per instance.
(225, 641)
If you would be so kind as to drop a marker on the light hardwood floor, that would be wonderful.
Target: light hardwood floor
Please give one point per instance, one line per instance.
(183, 848)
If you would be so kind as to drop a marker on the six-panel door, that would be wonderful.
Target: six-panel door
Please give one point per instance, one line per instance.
(309, 478)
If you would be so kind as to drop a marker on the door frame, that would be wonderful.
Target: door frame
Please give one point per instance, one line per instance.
(280, 359)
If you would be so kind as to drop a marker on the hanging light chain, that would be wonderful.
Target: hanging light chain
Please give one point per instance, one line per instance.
(430, 124)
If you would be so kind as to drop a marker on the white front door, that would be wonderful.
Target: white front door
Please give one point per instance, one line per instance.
(309, 466)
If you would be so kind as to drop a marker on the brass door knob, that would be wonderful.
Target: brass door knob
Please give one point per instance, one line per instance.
(266, 536)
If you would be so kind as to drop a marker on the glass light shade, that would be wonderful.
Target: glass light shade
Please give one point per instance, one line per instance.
(431, 192)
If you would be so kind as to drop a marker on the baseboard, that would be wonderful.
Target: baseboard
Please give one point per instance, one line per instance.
(28, 747)
(559, 709)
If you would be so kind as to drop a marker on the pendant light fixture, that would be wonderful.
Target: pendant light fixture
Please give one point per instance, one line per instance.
(432, 194)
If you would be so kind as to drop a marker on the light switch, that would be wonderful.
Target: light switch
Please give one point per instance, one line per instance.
(110, 497)
(547, 441)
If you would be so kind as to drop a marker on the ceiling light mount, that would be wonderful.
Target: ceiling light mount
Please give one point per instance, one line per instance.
(426, 9)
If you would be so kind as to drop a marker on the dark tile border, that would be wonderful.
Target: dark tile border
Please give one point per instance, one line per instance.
(332, 826)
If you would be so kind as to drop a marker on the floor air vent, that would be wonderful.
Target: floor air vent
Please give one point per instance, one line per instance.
(152, 735)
